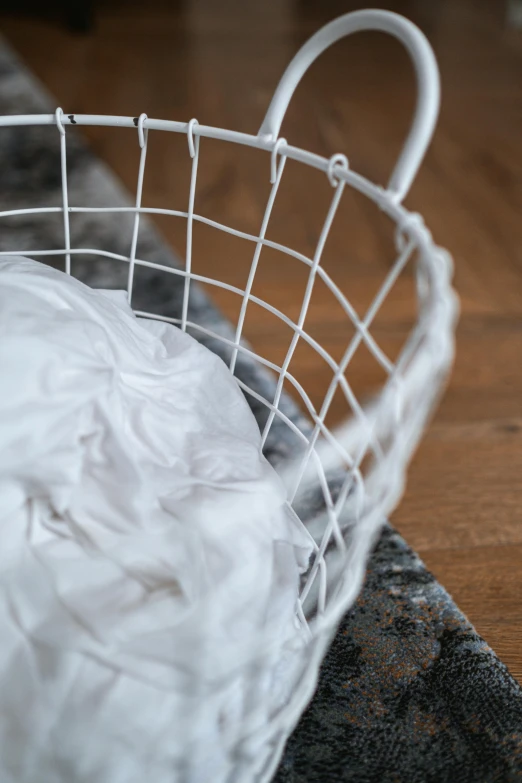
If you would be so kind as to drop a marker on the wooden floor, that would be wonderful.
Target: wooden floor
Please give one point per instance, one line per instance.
(219, 62)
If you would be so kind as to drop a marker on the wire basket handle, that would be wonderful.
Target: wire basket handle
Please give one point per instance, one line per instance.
(428, 85)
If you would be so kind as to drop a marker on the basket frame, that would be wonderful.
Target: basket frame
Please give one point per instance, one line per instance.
(415, 379)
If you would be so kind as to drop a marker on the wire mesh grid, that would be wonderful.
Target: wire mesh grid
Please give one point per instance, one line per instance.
(358, 470)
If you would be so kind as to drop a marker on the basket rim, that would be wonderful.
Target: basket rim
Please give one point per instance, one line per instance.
(336, 167)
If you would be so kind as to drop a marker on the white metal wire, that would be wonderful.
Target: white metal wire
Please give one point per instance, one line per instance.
(142, 139)
(275, 179)
(65, 196)
(193, 145)
(387, 432)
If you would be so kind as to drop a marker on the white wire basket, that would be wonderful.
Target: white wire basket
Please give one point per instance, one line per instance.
(360, 468)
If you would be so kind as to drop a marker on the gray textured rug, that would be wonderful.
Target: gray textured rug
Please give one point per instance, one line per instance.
(408, 691)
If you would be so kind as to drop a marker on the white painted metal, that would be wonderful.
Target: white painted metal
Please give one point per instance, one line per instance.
(388, 431)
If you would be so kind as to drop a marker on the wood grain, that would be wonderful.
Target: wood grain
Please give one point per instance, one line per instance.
(220, 62)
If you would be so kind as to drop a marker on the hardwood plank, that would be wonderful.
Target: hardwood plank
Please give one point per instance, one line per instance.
(464, 488)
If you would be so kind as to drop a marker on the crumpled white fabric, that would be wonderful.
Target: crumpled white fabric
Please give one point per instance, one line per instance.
(146, 550)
